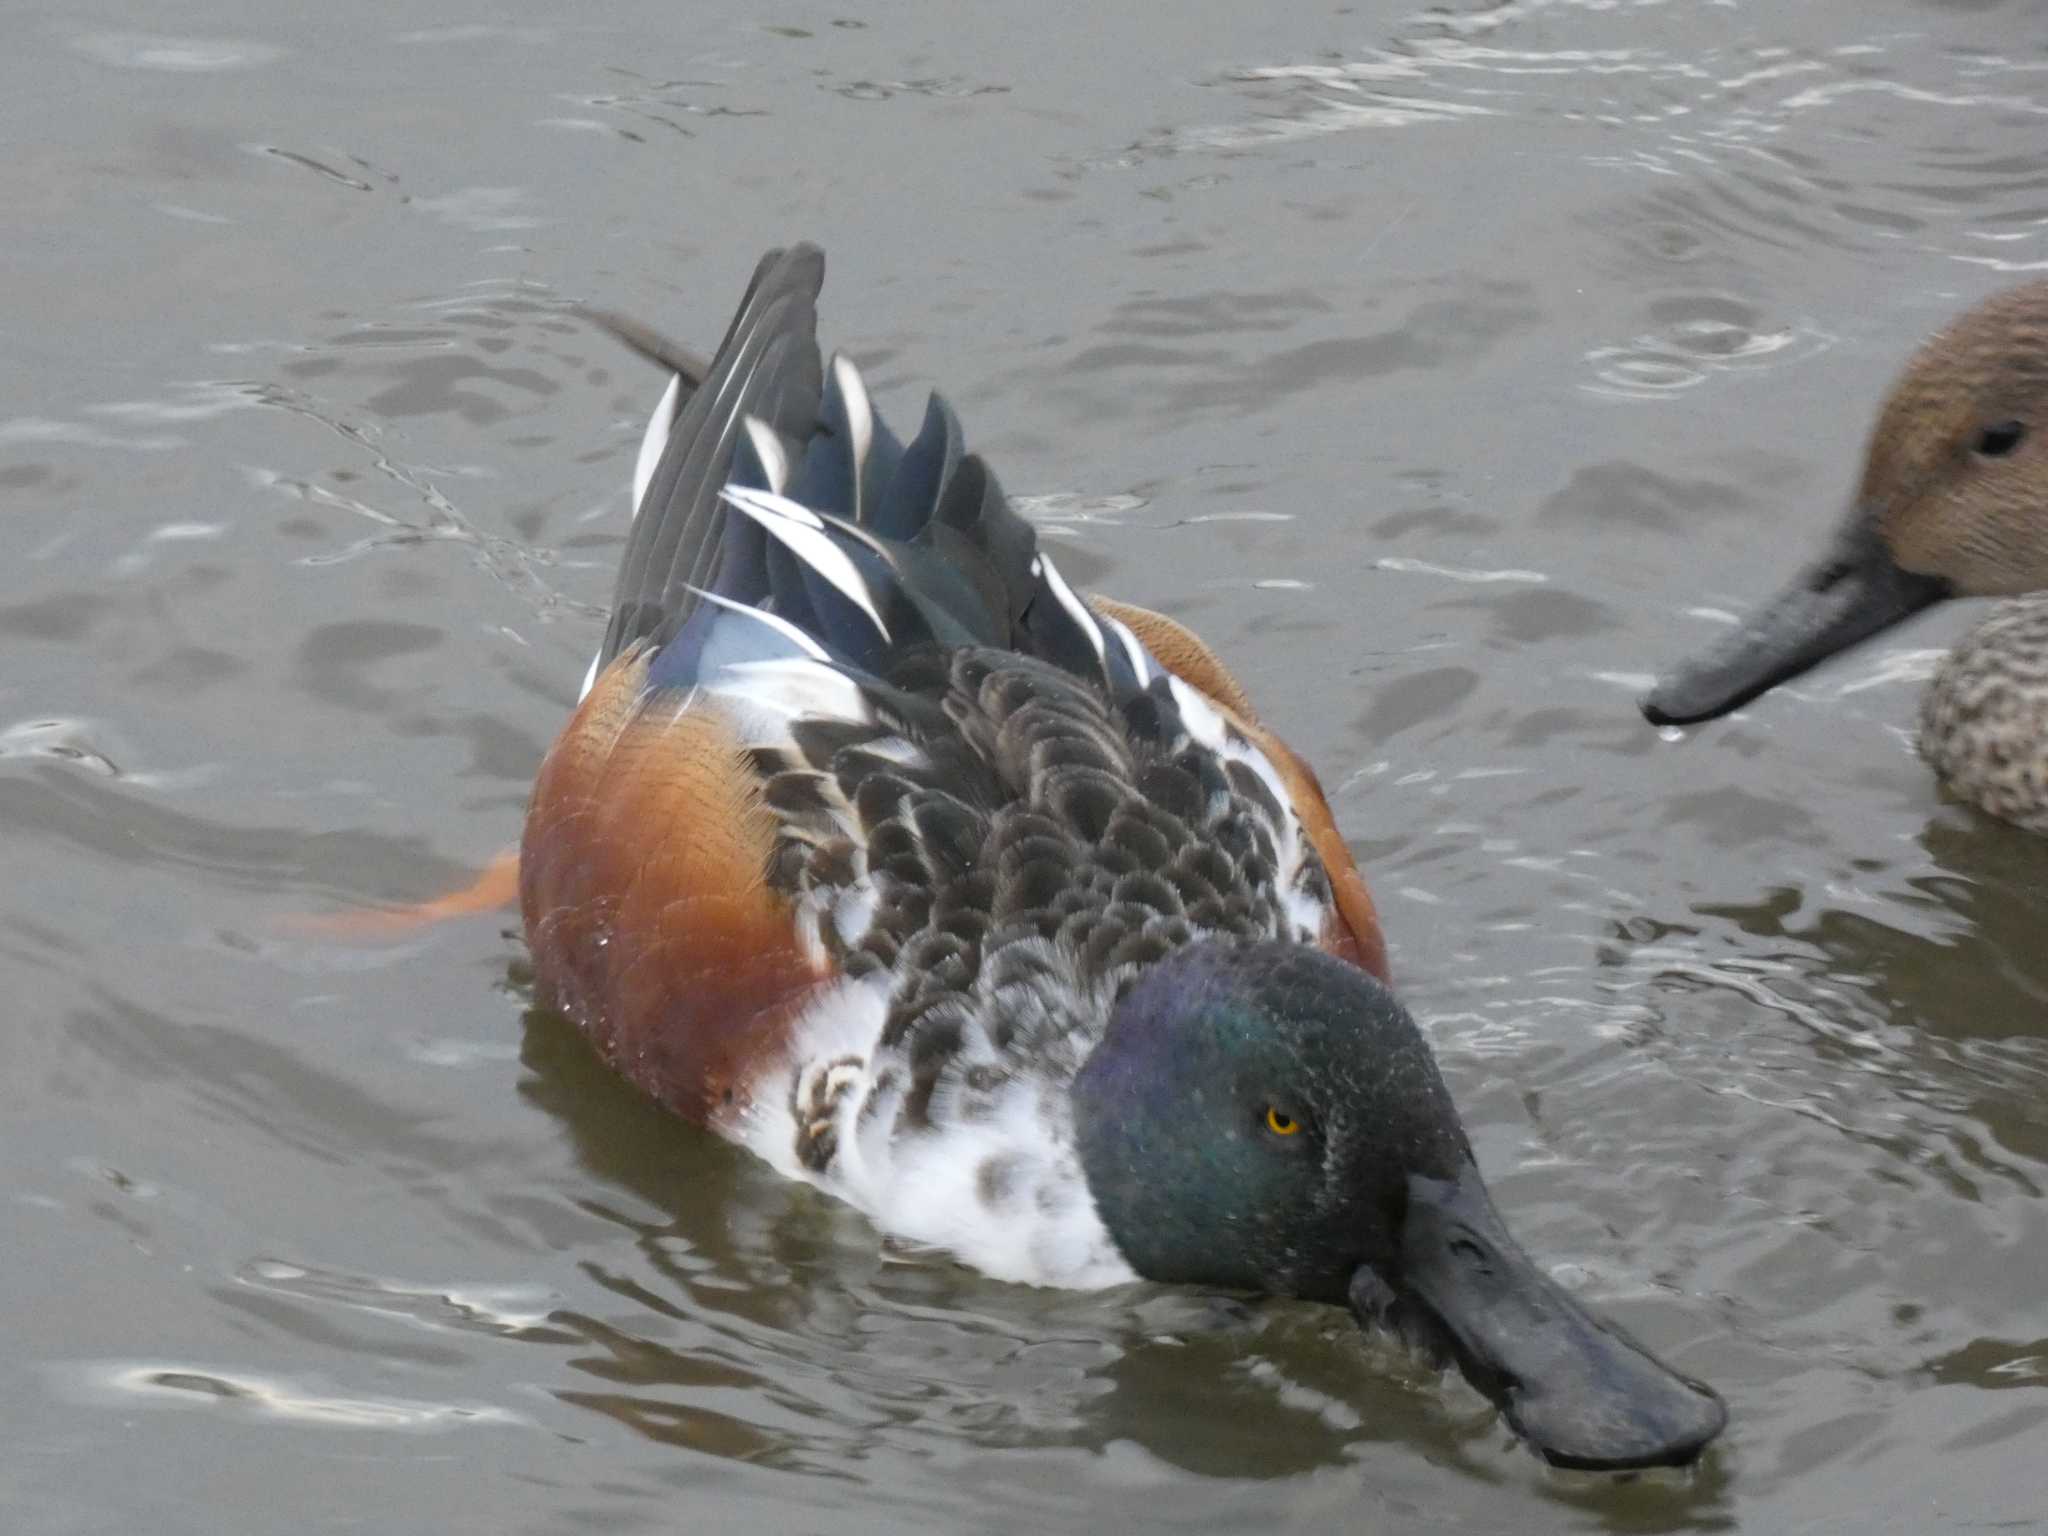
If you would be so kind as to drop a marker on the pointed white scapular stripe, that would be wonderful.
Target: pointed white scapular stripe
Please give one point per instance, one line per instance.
(855, 532)
(1141, 659)
(655, 439)
(769, 450)
(774, 621)
(802, 533)
(860, 419)
(1077, 609)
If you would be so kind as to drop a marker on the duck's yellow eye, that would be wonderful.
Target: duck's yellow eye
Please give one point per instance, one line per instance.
(1280, 1123)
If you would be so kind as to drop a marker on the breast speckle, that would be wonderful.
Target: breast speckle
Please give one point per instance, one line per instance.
(996, 1181)
(1984, 720)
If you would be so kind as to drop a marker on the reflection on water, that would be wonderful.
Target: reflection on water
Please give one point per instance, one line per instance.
(1723, 117)
(125, 1386)
(1450, 370)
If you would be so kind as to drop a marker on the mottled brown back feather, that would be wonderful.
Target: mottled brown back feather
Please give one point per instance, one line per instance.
(1357, 938)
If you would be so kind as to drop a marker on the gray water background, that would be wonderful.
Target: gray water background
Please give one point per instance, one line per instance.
(1452, 369)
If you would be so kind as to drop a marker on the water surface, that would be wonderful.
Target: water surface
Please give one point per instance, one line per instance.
(1451, 369)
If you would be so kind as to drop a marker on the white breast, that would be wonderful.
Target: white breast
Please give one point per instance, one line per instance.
(1000, 1188)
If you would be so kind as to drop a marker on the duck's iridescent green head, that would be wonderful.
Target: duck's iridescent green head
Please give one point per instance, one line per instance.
(1266, 1117)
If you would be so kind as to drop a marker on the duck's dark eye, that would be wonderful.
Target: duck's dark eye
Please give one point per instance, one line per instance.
(1996, 442)
(1280, 1123)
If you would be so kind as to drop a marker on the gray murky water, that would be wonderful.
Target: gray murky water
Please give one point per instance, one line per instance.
(1449, 370)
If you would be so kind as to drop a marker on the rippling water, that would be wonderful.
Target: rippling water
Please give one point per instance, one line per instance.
(1452, 369)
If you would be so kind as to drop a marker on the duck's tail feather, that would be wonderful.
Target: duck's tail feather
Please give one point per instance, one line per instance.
(638, 336)
(767, 368)
(776, 488)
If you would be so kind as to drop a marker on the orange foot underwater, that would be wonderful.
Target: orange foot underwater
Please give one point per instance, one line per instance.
(496, 888)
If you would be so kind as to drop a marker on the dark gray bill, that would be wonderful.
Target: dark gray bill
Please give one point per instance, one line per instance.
(1576, 1387)
(1849, 596)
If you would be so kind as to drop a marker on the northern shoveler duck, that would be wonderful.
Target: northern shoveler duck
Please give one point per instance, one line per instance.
(996, 912)
(1953, 503)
